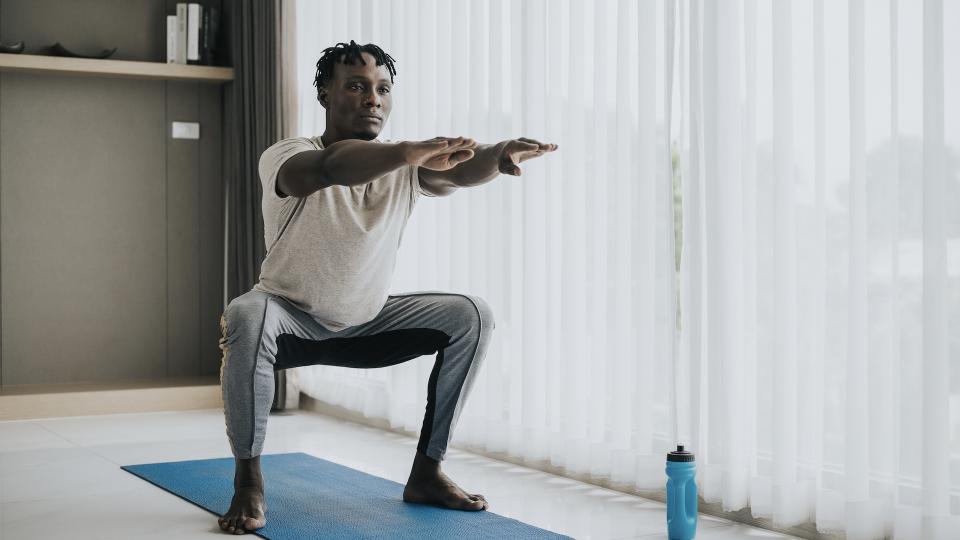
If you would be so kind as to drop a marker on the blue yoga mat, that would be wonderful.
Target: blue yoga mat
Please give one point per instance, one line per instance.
(309, 497)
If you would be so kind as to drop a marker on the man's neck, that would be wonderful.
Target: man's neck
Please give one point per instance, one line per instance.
(329, 138)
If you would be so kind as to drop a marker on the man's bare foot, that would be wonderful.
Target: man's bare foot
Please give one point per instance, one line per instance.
(429, 485)
(247, 509)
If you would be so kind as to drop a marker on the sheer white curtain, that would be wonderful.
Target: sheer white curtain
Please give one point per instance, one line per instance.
(819, 150)
(821, 261)
(575, 256)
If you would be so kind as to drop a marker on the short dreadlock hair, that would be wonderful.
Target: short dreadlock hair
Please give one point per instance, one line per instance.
(351, 53)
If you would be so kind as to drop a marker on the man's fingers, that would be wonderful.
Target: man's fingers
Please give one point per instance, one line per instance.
(459, 141)
(454, 145)
(542, 146)
(520, 150)
(527, 146)
(524, 149)
(533, 141)
(454, 141)
(522, 155)
(536, 144)
(461, 156)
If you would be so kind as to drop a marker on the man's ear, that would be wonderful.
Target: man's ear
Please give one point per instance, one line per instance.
(323, 98)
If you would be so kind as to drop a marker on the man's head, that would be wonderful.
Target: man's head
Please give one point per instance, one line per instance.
(354, 82)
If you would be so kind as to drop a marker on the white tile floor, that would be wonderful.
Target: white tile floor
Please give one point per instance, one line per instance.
(61, 478)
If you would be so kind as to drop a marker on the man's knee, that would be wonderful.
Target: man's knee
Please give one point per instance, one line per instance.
(479, 312)
(248, 305)
(486, 313)
(240, 321)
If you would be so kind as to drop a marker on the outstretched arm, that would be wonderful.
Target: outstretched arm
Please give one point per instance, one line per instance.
(488, 161)
(353, 162)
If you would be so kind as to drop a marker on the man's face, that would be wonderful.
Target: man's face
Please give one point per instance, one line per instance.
(356, 94)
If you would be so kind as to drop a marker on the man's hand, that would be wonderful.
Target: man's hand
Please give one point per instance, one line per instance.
(519, 150)
(438, 153)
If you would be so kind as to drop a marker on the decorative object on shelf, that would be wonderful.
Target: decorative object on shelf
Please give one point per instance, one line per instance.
(14, 48)
(59, 50)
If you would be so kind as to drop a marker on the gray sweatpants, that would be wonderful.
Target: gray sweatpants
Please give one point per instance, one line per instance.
(263, 332)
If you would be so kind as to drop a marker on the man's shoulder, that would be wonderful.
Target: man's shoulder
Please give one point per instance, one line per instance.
(296, 142)
(276, 153)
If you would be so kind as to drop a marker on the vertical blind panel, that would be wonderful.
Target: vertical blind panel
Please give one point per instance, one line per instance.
(638, 193)
(936, 373)
(787, 496)
(951, 224)
(691, 258)
(575, 279)
(812, 353)
(666, 251)
(856, 410)
(749, 224)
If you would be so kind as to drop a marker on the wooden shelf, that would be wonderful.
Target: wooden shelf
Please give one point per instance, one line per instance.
(58, 65)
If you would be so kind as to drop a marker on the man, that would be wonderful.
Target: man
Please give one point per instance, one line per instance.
(334, 210)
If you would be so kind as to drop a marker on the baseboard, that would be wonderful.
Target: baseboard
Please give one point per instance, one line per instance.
(308, 403)
(28, 402)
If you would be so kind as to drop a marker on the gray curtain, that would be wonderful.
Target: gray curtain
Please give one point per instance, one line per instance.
(252, 124)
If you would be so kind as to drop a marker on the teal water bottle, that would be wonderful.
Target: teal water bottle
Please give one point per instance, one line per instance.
(681, 495)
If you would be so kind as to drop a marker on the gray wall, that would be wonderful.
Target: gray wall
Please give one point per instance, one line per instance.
(111, 232)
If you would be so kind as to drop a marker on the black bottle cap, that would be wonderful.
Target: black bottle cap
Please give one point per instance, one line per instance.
(680, 455)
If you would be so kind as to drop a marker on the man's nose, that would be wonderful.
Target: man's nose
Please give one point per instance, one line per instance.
(372, 99)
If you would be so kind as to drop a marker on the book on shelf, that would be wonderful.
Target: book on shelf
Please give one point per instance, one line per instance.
(209, 32)
(181, 53)
(192, 34)
(171, 39)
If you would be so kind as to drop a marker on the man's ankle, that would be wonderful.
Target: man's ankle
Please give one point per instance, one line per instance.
(423, 463)
(247, 473)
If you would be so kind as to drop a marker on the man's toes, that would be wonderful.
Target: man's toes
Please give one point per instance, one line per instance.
(470, 504)
(477, 496)
(252, 523)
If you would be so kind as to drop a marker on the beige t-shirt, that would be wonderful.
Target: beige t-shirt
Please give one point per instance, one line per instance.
(332, 253)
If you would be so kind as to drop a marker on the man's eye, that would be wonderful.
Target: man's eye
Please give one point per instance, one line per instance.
(355, 85)
(385, 88)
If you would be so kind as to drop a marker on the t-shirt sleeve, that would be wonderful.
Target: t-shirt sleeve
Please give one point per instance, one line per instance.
(416, 183)
(415, 190)
(413, 176)
(274, 157)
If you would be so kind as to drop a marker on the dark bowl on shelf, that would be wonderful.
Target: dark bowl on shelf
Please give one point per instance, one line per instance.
(14, 48)
(59, 50)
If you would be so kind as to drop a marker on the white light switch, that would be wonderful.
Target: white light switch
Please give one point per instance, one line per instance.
(186, 130)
